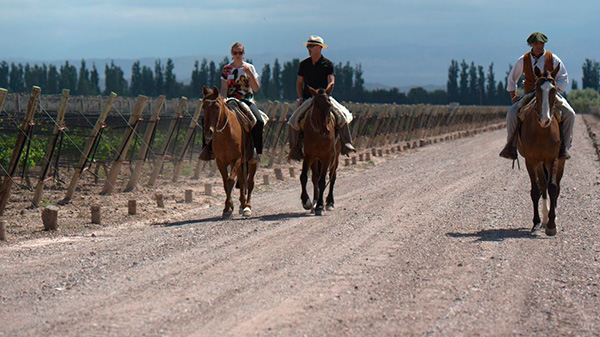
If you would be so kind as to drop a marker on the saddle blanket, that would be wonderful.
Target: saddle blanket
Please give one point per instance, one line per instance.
(244, 114)
(341, 113)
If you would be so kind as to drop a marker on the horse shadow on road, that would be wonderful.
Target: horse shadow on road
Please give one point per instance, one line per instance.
(496, 234)
(270, 217)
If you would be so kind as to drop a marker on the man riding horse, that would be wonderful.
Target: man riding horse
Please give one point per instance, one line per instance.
(316, 72)
(543, 60)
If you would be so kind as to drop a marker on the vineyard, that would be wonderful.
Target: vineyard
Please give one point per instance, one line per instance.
(69, 144)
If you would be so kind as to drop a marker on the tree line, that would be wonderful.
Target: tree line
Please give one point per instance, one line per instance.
(467, 84)
(277, 81)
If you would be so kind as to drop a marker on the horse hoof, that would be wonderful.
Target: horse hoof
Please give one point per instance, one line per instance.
(551, 231)
(307, 205)
(319, 211)
(227, 214)
(329, 208)
(247, 212)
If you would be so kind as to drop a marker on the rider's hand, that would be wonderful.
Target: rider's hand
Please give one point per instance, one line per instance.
(514, 98)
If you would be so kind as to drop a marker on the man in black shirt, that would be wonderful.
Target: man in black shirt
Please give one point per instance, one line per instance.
(316, 71)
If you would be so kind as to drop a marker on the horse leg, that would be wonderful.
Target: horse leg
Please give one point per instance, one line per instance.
(228, 183)
(332, 177)
(535, 195)
(554, 191)
(306, 203)
(316, 174)
(322, 181)
(543, 186)
(241, 178)
(249, 187)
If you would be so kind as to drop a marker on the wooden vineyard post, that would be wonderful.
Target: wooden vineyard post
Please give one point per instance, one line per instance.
(163, 152)
(16, 154)
(186, 143)
(115, 169)
(361, 138)
(88, 148)
(271, 111)
(58, 127)
(3, 93)
(145, 146)
(282, 124)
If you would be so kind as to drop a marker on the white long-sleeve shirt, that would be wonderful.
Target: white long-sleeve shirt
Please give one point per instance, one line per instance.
(562, 78)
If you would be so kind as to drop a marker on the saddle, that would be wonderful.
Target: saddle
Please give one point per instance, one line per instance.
(244, 114)
(527, 104)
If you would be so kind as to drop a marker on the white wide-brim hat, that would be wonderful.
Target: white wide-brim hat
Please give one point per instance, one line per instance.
(315, 40)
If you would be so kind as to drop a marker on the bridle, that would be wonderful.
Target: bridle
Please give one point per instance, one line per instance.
(213, 101)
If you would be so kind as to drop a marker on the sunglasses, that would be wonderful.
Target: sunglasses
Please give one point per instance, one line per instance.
(237, 53)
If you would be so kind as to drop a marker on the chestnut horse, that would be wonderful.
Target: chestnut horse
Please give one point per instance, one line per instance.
(539, 143)
(321, 151)
(231, 147)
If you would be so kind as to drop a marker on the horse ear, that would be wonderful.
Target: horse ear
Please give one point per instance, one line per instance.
(215, 89)
(312, 91)
(537, 72)
(204, 90)
(555, 71)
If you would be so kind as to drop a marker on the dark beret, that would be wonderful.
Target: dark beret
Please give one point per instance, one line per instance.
(537, 37)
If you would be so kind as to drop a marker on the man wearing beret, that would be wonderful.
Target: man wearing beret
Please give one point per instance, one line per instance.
(316, 71)
(543, 60)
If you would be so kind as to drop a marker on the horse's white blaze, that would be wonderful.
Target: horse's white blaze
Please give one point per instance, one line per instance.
(545, 210)
(545, 113)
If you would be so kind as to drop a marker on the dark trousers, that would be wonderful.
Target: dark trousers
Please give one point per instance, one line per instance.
(257, 130)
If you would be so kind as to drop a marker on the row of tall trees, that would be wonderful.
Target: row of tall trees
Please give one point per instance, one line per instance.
(467, 83)
(470, 84)
(19, 78)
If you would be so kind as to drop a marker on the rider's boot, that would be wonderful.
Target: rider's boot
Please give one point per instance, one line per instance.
(295, 144)
(509, 151)
(563, 153)
(346, 138)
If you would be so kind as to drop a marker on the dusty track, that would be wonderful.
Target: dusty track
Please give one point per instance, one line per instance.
(434, 242)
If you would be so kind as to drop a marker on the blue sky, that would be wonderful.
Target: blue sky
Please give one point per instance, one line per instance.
(398, 43)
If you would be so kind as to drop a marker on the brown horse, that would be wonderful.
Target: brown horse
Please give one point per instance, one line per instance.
(321, 151)
(539, 144)
(232, 149)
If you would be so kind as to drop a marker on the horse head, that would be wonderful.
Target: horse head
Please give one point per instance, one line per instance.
(545, 94)
(320, 111)
(212, 104)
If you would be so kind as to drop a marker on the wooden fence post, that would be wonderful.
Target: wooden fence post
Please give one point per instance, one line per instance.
(60, 120)
(282, 123)
(145, 146)
(88, 148)
(186, 143)
(115, 169)
(20, 142)
(159, 161)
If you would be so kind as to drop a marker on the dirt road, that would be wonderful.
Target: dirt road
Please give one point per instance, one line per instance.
(434, 242)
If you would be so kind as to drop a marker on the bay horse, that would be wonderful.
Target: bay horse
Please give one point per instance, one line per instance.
(539, 143)
(321, 152)
(232, 149)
